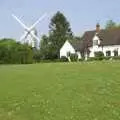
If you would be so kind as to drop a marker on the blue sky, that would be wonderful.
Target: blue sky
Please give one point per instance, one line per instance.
(82, 14)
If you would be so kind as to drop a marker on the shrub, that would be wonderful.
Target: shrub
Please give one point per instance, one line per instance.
(99, 54)
(92, 59)
(73, 57)
(12, 52)
(107, 58)
(116, 58)
(82, 59)
(99, 58)
(64, 59)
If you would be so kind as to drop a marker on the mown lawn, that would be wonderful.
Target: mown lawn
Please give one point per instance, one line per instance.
(60, 91)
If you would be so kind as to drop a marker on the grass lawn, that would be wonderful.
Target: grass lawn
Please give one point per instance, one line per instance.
(60, 91)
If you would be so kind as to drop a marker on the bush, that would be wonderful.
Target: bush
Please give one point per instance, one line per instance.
(64, 59)
(99, 58)
(1, 62)
(12, 52)
(103, 58)
(73, 57)
(116, 58)
(99, 55)
(107, 58)
(92, 59)
(82, 59)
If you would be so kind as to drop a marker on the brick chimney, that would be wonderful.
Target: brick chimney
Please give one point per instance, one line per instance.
(97, 28)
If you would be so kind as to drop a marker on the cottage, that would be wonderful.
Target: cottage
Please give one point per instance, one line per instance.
(106, 41)
(70, 47)
(99, 40)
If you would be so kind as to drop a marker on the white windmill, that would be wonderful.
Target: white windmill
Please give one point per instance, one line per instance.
(30, 35)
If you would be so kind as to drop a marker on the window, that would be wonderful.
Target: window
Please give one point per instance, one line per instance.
(95, 42)
(116, 53)
(108, 53)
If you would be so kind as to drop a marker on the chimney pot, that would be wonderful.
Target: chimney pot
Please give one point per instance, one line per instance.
(98, 28)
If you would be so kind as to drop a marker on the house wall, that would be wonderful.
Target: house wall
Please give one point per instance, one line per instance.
(104, 49)
(67, 47)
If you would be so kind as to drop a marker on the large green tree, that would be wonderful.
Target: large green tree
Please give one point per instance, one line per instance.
(59, 32)
(110, 24)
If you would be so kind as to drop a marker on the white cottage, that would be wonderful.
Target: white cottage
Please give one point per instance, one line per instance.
(70, 47)
(106, 41)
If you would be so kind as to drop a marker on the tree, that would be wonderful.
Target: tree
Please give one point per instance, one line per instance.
(59, 32)
(110, 24)
(45, 52)
(77, 38)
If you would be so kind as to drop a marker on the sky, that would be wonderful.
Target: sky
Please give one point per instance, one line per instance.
(82, 14)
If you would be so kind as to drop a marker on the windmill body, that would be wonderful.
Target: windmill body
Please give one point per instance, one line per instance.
(30, 40)
(30, 34)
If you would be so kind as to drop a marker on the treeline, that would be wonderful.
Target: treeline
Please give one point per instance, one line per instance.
(12, 52)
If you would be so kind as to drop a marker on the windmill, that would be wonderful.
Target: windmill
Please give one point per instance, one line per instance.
(30, 35)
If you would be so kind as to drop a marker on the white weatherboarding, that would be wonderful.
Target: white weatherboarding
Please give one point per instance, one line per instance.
(29, 31)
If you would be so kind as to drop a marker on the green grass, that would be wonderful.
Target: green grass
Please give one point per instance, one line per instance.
(60, 91)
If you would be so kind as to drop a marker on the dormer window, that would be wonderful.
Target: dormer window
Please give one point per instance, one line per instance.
(95, 42)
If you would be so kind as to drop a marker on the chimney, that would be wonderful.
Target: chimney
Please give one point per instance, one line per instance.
(97, 27)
